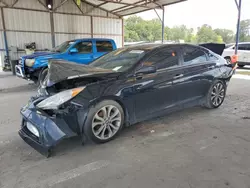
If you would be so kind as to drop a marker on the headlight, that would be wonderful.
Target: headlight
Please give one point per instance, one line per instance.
(29, 62)
(32, 129)
(56, 100)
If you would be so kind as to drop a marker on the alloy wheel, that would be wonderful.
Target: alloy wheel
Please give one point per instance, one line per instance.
(106, 122)
(218, 94)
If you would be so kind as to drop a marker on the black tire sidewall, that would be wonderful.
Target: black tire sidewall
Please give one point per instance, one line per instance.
(209, 103)
(87, 128)
(228, 59)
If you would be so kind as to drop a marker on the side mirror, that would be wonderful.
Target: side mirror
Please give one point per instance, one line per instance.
(146, 70)
(73, 51)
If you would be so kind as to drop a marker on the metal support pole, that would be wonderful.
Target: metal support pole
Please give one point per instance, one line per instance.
(158, 15)
(162, 25)
(238, 27)
(53, 41)
(4, 33)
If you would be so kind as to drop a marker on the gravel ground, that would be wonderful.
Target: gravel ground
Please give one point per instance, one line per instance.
(193, 148)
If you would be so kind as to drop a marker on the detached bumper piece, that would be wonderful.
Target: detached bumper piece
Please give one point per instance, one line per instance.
(46, 151)
(48, 131)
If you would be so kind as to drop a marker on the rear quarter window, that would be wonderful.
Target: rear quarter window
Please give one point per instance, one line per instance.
(104, 46)
(212, 57)
(193, 55)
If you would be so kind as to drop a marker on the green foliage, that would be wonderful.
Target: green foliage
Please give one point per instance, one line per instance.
(245, 31)
(137, 29)
(226, 34)
(207, 34)
(179, 33)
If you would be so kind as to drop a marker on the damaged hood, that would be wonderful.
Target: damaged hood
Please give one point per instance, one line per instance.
(60, 70)
(214, 47)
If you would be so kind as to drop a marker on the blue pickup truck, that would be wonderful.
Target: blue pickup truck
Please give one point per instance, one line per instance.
(35, 67)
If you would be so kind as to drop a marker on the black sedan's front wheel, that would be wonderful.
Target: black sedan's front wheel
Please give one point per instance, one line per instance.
(104, 121)
(216, 94)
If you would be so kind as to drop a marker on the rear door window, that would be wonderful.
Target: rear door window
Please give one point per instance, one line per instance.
(166, 58)
(192, 55)
(248, 47)
(84, 47)
(104, 46)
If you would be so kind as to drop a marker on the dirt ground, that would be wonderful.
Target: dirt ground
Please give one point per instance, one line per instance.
(193, 148)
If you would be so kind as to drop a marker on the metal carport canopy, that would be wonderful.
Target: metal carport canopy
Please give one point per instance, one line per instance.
(127, 7)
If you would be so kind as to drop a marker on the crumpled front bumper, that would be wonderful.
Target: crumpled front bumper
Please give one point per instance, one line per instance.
(51, 129)
(25, 135)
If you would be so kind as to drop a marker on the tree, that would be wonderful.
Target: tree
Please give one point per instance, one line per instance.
(245, 31)
(226, 34)
(206, 34)
(179, 33)
(137, 29)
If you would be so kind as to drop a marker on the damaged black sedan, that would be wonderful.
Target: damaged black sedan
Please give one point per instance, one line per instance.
(124, 87)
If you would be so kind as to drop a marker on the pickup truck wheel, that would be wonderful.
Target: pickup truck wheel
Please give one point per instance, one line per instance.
(42, 77)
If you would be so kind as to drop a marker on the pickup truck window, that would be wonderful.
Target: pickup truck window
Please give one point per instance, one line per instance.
(84, 47)
(104, 46)
(63, 47)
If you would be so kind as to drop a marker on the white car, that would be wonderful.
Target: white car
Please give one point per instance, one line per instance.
(243, 53)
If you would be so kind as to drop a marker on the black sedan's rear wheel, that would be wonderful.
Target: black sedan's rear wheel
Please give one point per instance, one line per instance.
(216, 95)
(104, 121)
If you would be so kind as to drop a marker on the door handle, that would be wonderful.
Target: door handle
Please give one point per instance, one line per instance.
(211, 67)
(178, 76)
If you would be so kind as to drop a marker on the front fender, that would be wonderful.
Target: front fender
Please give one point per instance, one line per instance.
(127, 108)
(40, 64)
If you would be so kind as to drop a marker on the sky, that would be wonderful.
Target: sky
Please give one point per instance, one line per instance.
(194, 13)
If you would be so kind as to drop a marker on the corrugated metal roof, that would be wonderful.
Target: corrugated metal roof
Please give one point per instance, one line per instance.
(127, 7)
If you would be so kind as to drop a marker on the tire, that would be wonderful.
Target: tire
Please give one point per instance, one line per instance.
(241, 66)
(228, 60)
(215, 97)
(42, 76)
(99, 128)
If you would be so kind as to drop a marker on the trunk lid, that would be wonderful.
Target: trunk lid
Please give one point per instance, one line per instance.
(214, 47)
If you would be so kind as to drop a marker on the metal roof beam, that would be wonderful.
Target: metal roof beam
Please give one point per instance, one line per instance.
(129, 4)
(134, 5)
(78, 7)
(1, 1)
(91, 9)
(118, 12)
(39, 1)
(96, 6)
(61, 4)
(13, 4)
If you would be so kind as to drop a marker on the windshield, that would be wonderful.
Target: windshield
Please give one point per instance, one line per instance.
(63, 47)
(119, 60)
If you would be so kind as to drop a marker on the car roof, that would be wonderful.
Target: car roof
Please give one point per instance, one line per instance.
(152, 46)
(97, 39)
